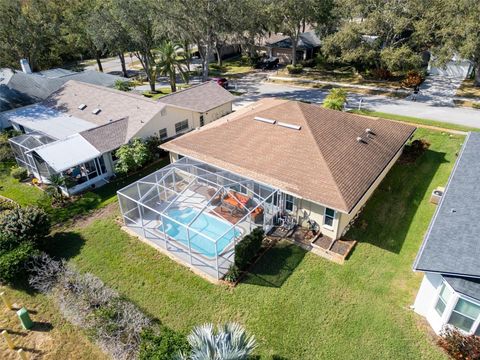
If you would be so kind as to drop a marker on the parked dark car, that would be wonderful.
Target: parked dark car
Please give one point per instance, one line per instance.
(267, 63)
(223, 82)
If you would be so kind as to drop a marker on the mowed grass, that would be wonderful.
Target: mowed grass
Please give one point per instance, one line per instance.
(26, 194)
(298, 305)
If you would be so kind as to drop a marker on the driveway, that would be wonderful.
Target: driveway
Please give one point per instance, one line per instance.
(439, 90)
(255, 88)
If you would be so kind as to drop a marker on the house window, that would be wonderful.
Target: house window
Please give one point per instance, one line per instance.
(464, 315)
(181, 126)
(328, 217)
(202, 120)
(443, 298)
(289, 202)
(162, 133)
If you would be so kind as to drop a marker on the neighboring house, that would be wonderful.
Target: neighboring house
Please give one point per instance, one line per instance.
(450, 254)
(279, 45)
(19, 89)
(457, 68)
(274, 157)
(76, 130)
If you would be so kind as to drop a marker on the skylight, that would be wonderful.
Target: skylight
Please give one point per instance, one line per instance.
(289, 126)
(265, 120)
(96, 111)
(82, 107)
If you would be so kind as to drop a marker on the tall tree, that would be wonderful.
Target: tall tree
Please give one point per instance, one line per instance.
(377, 33)
(30, 29)
(290, 17)
(453, 28)
(141, 19)
(108, 33)
(203, 21)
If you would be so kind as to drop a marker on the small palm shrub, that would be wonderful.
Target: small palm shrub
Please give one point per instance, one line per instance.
(458, 345)
(232, 274)
(295, 69)
(19, 173)
(229, 342)
(335, 99)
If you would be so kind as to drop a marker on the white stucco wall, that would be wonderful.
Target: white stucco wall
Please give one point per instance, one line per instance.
(426, 300)
(173, 115)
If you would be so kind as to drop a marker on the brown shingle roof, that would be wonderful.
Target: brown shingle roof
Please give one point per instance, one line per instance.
(200, 98)
(114, 105)
(107, 137)
(323, 161)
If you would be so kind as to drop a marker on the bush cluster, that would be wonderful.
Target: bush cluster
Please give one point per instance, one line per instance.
(246, 249)
(19, 173)
(295, 69)
(132, 156)
(460, 346)
(413, 79)
(22, 231)
(162, 344)
(84, 300)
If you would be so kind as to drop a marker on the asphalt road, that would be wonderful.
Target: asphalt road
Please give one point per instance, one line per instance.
(255, 88)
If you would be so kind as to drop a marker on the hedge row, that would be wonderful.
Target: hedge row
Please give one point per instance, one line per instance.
(246, 249)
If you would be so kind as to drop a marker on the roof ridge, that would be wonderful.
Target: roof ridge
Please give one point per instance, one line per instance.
(114, 91)
(182, 90)
(317, 147)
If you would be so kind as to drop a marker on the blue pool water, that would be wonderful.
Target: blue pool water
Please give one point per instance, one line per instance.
(205, 224)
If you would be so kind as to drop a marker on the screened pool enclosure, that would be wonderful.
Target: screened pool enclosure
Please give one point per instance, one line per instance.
(197, 212)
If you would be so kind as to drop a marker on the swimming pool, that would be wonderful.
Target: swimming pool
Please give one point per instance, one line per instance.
(205, 224)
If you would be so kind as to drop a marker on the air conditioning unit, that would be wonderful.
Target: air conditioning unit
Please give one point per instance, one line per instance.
(437, 195)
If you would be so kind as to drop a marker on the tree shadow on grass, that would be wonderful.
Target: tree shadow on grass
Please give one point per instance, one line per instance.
(388, 215)
(65, 245)
(276, 266)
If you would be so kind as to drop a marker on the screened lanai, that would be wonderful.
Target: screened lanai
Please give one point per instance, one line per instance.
(198, 212)
(22, 147)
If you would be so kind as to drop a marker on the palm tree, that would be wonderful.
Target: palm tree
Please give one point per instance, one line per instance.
(229, 342)
(169, 62)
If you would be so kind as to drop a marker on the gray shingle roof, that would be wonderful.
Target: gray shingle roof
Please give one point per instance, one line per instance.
(200, 98)
(469, 287)
(37, 87)
(306, 40)
(107, 137)
(452, 243)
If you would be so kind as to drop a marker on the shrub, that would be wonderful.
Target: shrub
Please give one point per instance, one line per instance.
(413, 79)
(83, 299)
(232, 274)
(297, 69)
(381, 74)
(6, 205)
(153, 143)
(163, 344)
(6, 153)
(123, 85)
(246, 249)
(13, 260)
(25, 224)
(132, 156)
(335, 99)
(414, 150)
(310, 63)
(19, 173)
(458, 345)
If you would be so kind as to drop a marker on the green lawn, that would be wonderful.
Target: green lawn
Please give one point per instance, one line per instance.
(230, 68)
(298, 306)
(416, 120)
(26, 194)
